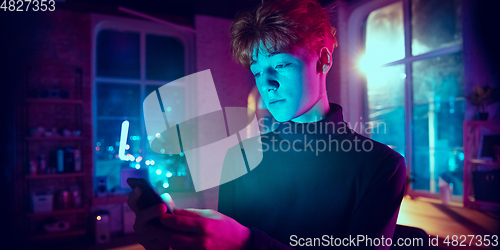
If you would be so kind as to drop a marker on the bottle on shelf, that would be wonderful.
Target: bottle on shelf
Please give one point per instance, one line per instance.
(33, 167)
(76, 196)
(77, 160)
(42, 160)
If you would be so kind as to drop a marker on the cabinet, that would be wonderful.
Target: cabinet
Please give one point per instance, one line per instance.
(54, 176)
(481, 166)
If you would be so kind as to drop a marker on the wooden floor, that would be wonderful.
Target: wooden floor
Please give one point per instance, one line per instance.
(430, 215)
(441, 220)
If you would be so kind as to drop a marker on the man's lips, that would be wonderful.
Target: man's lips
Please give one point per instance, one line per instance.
(276, 101)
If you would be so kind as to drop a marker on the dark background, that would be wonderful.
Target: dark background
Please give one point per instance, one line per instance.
(15, 50)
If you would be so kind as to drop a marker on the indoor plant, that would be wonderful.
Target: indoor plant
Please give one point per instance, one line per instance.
(481, 97)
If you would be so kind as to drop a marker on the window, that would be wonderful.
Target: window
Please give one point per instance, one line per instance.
(132, 59)
(414, 87)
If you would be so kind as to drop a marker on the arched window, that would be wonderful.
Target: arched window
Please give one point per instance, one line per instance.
(411, 77)
(131, 59)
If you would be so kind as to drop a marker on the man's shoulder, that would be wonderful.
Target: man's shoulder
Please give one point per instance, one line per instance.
(379, 155)
(378, 147)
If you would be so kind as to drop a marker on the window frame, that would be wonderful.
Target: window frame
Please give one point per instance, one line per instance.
(186, 35)
(355, 83)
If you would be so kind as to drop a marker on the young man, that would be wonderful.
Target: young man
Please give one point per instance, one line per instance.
(319, 183)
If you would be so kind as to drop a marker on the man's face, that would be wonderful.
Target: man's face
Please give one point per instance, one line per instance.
(288, 83)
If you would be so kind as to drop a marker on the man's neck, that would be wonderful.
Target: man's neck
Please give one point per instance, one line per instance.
(316, 113)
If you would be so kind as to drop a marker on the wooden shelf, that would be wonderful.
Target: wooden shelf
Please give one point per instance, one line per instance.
(52, 176)
(485, 162)
(59, 212)
(123, 197)
(74, 232)
(485, 205)
(56, 138)
(54, 101)
(110, 199)
(472, 134)
(71, 114)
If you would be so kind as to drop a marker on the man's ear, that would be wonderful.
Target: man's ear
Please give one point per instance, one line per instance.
(325, 60)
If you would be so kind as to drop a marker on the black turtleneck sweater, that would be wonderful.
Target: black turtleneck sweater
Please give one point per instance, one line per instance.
(317, 180)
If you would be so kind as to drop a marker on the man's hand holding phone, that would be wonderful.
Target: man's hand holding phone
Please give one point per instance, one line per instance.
(187, 229)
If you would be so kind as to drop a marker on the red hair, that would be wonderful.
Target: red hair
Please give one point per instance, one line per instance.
(281, 25)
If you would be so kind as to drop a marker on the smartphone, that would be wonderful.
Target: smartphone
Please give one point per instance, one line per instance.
(149, 197)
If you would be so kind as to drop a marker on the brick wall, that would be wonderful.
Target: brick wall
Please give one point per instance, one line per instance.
(53, 46)
(232, 81)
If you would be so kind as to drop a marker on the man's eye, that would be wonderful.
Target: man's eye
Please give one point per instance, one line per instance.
(256, 74)
(282, 65)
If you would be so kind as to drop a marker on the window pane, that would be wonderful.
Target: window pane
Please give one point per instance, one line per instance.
(435, 24)
(384, 35)
(386, 106)
(118, 100)
(164, 58)
(172, 100)
(107, 146)
(118, 54)
(438, 114)
(151, 88)
(168, 172)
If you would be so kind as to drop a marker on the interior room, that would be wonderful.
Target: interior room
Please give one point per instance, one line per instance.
(420, 76)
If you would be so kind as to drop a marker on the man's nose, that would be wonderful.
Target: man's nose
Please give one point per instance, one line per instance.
(270, 81)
